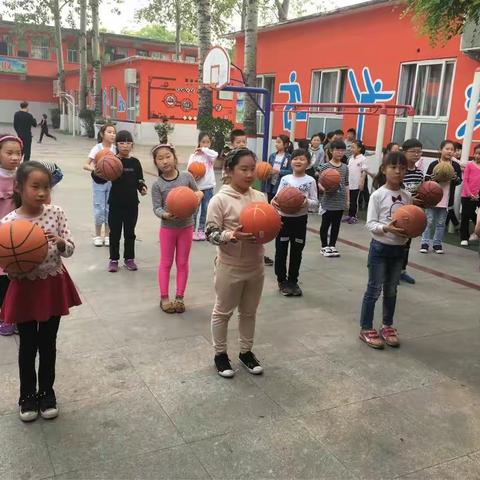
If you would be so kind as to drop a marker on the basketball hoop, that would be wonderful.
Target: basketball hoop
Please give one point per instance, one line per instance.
(216, 69)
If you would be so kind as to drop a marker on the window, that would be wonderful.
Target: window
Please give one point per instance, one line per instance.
(328, 86)
(427, 86)
(7, 46)
(131, 103)
(72, 54)
(190, 59)
(142, 53)
(113, 102)
(40, 48)
(161, 56)
(267, 82)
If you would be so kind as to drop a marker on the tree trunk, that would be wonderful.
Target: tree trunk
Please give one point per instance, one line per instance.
(55, 7)
(250, 68)
(178, 30)
(205, 103)
(243, 15)
(82, 48)
(96, 62)
(282, 9)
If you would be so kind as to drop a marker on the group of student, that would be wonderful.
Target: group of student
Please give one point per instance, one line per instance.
(239, 264)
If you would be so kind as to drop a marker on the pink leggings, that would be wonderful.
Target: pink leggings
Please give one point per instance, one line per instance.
(174, 242)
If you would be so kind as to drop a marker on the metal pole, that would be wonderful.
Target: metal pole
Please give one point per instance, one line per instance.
(266, 126)
(409, 127)
(74, 118)
(472, 112)
(382, 120)
(270, 133)
(293, 126)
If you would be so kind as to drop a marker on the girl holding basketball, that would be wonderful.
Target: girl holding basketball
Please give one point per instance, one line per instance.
(175, 233)
(280, 161)
(36, 301)
(294, 225)
(239, 265)
(123, 204)
(101, 187)
(206, 184)
(10, 158)
(386, 254)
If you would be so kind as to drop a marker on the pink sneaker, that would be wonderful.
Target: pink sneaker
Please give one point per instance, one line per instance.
(6, 329)
(131, 265)
(113, 266)
(201, 236)
(195, 236)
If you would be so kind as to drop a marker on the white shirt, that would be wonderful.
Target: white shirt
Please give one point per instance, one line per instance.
(207, 157)
(382, 205)
(356, 166)
(98, 148)
(307, 185)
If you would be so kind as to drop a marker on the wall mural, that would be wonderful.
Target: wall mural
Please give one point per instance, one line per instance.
(294, 92)
(460, 132)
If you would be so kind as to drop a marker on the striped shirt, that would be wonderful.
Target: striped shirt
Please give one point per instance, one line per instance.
(335, 200)
(412, 180)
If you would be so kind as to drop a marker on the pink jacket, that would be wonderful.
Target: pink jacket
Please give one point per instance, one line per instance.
(471, 180)
(6, 199)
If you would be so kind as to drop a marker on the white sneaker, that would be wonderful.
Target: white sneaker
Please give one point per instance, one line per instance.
(464, 243)
(473, 237)
(98, 241)
(326, 252)
(334, 252)
(107, 241)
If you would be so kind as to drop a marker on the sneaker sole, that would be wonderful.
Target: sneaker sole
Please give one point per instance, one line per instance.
(423, 251)
(439, 253)
(49, 414)
(227, 374)
(30, 417)
(371, 345)
(251, 371)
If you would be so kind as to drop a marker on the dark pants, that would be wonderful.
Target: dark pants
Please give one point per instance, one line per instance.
(126, 218)
(43, 132)
(38, 337)
(27, 147)
(293, 232)
(384, 269)
(352, 211)
(468, 215)
(331, 218)
(270, 196)
(364, 196)
(406, 254)
(4, 283)
(451, 217)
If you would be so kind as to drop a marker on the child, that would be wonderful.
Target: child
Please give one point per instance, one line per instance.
(357, 172)
(44, 129)
(239, 268)
(123, 204)
(470, 194)
(101, 187)
(280, 161)
(436, 217)
(386, 254)
(36, 301)
(391, 147)
(10, 158)
(206, 184)
(317, 154)
(175, 233)
(294, 226)
(334, 202)
(350, 138)
(412, 149)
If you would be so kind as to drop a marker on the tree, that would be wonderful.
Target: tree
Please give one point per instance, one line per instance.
(82, 47)
(204, 44)
(250, 66)
(443, 19)
(96, 61)
(282, 9)
(156, 31)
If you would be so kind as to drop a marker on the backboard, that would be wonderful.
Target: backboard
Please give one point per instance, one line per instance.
(216, 68)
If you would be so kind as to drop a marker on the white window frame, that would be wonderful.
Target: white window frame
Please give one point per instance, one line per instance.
(77, 54)
(322, 71)
(113, 101)
(38, 51)
(132, 103)
(260, 99)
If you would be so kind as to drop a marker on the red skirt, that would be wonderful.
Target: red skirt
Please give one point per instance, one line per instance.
(38, 300)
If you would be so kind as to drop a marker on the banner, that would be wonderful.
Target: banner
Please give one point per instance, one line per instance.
(12, 65)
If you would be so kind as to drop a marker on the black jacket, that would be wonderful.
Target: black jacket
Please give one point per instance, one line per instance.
(456, 181)
(23, 123)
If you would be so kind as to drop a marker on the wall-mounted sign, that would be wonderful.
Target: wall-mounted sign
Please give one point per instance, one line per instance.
(12, 65)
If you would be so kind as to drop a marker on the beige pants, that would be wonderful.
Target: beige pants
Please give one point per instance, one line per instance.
(236, 287)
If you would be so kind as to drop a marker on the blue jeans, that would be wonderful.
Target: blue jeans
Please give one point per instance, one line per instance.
(101, 191)
(201, 219)
(384, 269)
(436, 218)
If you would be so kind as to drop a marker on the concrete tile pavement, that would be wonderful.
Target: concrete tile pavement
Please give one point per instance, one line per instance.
(140, 399)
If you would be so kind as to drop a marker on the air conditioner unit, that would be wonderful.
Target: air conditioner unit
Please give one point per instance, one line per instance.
(470, 43)
(130, 76)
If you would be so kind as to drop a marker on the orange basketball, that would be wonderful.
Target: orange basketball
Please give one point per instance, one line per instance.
(23, 246)
(412, 219)
(262, 220)
(181, 202)
(330, 179)
(102, 153)
(197, 169)
(263, 170)
(290, 200)
(109, 167)
(430, 192)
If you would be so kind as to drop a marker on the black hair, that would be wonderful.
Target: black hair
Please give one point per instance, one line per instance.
(102, 131)
(389, 147)
(352, 130)
(446, 142)
(44, 115)
(339, 131)
(411, 143)
(24, 105)
(157, 147)
(379, 179)
(477, 147)
(304, 143)
(458, 146)
(330, 135)
(301, 152)
(21, 176)
(360, 145)
(236, 132)
(233, 157)
(288, 145)
(338, 144)
(201, 136)
(320, 135)
(123, 136)
(391, 158)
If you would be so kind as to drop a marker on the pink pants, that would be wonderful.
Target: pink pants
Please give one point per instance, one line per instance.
(174, 242)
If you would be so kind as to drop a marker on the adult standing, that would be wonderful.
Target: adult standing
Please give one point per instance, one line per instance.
(23, 122)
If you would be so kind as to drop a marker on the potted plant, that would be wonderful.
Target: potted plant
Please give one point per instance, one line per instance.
(87, 122)
(164, 128)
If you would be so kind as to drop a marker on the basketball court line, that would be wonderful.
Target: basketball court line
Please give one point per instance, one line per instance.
(416, 266)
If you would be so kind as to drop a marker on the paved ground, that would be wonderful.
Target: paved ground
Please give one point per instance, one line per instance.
(140, 399)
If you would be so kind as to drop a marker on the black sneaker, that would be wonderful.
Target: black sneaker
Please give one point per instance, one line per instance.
(224, 368)
(296, 290)
(438, 249)
(250, 362)
(285, 288)
(28, 408)
(267, 261)
(48, 405)
(424, 248)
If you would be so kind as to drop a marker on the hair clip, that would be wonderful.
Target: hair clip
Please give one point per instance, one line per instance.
(12, 137)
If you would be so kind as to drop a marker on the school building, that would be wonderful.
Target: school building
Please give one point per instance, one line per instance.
(367, 53)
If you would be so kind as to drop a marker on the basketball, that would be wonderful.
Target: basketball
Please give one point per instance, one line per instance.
(102, 153)
(262, 220)
(412, 219)
(23, 246)
(330, 179)
(197, 169)
(290, 200)
(443, 172)
(181, 202)
(263, 170)
(430, 192)
(109, 167)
